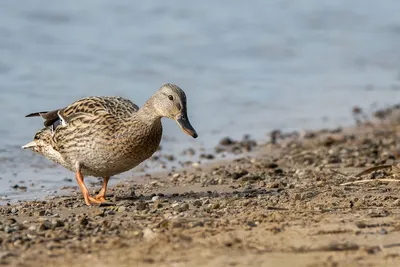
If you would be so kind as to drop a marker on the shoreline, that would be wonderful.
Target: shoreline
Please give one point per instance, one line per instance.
(282, 204)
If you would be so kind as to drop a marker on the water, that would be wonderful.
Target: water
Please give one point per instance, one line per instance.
(247, 67)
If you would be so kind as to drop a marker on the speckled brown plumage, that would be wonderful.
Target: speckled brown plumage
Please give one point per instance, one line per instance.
(104, 136)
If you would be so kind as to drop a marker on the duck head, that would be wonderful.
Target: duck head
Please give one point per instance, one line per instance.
(170, 102)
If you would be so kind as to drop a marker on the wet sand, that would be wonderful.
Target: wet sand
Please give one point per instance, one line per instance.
(292, 202)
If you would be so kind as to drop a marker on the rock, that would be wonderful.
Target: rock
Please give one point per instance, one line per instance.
(142, 206)
(197, 203)
(121, 209)
(176, 175)
(45, 225)
(271, 165)
(196, 224)
(9, 221)
(84, 221)
(5, 254)
(109, 212)
(57, 223)
(155, 198)
(148, 234)
(170, 157)
(251, 224)
(361, 225)
(226, 141)
(195, 164)
(307, 195)
(157, 205)
(176, 224)
(9, 229)
(239, 174)
(174, 205)
(39, 213)
(216, 206)
(183, 207)
(207, 156)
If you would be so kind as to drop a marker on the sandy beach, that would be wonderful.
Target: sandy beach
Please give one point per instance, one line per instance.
(296, 201)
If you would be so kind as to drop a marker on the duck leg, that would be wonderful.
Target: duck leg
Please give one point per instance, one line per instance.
(101, 196)
(88, 199)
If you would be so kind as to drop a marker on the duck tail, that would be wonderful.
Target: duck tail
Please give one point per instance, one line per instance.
(29, 145)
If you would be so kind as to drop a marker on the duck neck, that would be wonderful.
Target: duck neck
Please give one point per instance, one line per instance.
(149, 112)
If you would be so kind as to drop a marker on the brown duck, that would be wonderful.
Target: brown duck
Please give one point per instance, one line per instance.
(105, 136)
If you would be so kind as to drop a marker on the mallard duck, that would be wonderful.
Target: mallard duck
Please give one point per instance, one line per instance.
(105, 136)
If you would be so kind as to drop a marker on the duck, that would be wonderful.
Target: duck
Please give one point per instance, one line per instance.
(102, 136)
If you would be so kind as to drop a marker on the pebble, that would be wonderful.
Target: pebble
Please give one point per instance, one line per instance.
(197, 203)
(121, 209)
(9, 229)
(39, 213)
(45, 225)
(195, 164)
(174, 205)
(148, 234)
(142, 206)
(184, 207)
(226, 141)
(9, 221)
(155, 198)
(57, 223)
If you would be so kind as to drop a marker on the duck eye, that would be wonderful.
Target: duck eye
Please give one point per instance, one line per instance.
(171, 97)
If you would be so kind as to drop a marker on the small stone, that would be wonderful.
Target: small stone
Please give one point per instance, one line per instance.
(361, 225)
(157, 205)
(155, 198)
(174, 205)
(57, 223)
(297, 196)
(196, 224)
(142, 206)
(9, 221)
(9, 229)
(148, 234)
(184, 207)
(45, 225)
(170, 157)
(121, 209)
(197, 203)
(207, 156)
(176, 224)
(176, 175)
(99, 213)
(226, 141)
(84, 221)
(251, 224)
(109, 212)
(39, 213)
(307, 195)
(216, 206)
(271, 165)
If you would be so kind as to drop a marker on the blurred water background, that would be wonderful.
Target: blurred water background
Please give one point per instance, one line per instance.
(246, 66)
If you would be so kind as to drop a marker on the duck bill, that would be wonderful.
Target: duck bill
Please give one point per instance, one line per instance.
(187, 128)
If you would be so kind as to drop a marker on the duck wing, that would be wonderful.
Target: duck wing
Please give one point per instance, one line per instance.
(89, 107)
